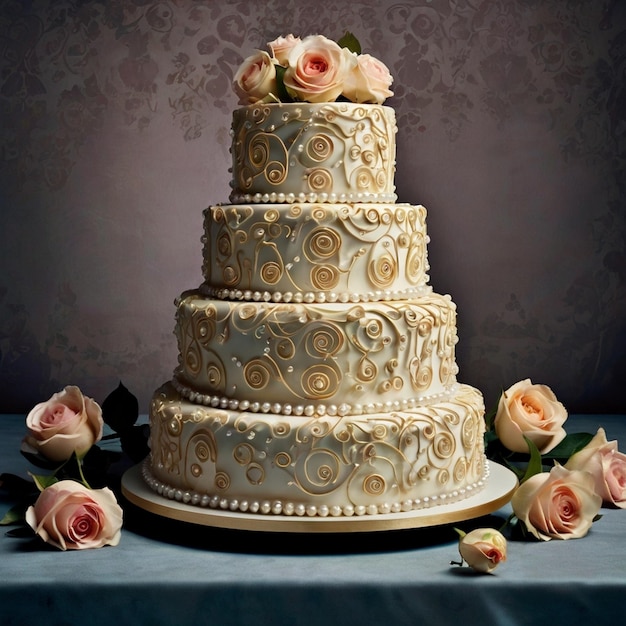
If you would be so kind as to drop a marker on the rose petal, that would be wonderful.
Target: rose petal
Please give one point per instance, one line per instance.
(71, 516)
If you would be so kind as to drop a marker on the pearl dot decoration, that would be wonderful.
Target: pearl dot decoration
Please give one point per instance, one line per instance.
(311, 297)
(277, 507)
(311, 410)
(331, 198)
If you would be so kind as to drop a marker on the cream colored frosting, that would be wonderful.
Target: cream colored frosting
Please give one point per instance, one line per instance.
(326, 466)
(303, 152)
(315, 252)
(363, 357)
(317, 370)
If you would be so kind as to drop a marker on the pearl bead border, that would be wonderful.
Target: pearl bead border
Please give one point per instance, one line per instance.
(310, 410)
(309, 297)
(331, 198)
(278, 507)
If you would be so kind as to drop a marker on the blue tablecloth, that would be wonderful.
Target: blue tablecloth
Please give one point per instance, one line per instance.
(166, 572)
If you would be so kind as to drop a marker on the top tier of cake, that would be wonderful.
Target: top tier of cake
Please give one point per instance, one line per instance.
(303, 152)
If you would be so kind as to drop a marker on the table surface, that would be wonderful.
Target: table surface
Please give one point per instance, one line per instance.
(169, 572)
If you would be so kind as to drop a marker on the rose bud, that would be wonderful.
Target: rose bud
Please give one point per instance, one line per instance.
(70, 516)
(482, 549)
(68, 423)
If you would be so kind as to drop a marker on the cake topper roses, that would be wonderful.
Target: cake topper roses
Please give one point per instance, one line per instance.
(314, 69)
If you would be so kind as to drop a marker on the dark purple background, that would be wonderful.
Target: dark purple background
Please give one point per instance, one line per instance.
(114, 137)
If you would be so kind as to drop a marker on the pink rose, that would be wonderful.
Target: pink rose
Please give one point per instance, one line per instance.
(532, 411)
(281, 47)
(70, 516)
(483, 549)
(561, 504)
(69, 422)
(369, 81)
(606, 464)
(256, 78)
(317, 69)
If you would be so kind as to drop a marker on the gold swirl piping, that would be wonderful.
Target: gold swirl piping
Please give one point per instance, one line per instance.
(320, 381)
(319, 147)
(320, 180)
(324, 277)
(322, 242)
(257, 374)
(259, 151)
(275, 172)
(243, 453)
(460, 470)
(444, 445)
(255, 474)
(374, 485)
(282, 459)
(323, 341)
(271, 272)
(222, 481)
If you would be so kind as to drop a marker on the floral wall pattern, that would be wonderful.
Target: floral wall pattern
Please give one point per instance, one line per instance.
(114, 137)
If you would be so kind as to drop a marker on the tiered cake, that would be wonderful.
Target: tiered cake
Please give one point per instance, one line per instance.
(317, 372)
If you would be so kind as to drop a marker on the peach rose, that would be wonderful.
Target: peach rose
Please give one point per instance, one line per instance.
(70, 516)
(255, 78)
(606, 464)
(533, 411)
(483, 549)
(281, 47)
(369, 81)
(317, 69)
(561, 504)
(69, 422)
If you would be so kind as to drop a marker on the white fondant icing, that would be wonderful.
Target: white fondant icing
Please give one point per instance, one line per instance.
(367, 354)
(317, 371)
(279, 465)
(301, 152)
(316, 253)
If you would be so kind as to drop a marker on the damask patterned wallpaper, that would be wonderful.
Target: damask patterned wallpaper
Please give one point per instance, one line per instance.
(114, 137)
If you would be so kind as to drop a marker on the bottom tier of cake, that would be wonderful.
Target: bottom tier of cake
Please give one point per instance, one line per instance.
(317, 466)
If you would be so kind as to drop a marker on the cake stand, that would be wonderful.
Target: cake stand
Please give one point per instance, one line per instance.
(497, 492)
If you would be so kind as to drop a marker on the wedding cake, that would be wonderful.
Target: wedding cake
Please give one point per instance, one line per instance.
(317, 371)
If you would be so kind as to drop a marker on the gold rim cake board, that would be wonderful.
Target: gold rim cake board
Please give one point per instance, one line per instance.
(498, 491)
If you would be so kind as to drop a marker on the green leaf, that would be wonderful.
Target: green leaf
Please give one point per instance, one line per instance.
(24, 531)
(490, 437)
(534, 463)
(16, 486)
(490, 418)
(15, 515)
(281, 92)
(42, 481)
(120, 409)
(351, 42)
(570, 445)
(135, 442)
